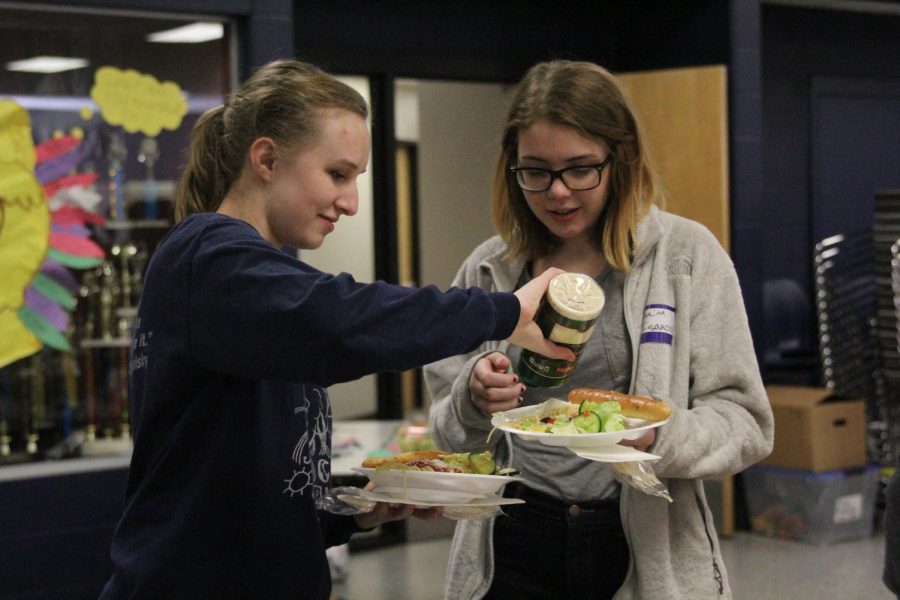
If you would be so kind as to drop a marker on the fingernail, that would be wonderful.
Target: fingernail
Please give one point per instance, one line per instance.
(515, 379)
(521, 400)
(523, 390)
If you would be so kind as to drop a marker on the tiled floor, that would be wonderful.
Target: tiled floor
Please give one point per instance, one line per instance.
(759, 568)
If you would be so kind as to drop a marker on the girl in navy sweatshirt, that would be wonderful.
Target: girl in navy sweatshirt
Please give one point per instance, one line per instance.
(237, 341)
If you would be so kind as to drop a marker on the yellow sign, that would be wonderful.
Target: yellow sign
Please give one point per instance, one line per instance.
(24, 229)
(137, 102)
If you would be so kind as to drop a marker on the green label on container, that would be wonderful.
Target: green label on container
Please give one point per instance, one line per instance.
(541, 371)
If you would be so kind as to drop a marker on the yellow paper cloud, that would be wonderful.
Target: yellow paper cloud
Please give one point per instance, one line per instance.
(137, 102)
(24, 229)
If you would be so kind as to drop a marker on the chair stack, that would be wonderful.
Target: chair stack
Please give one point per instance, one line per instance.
(826, 440)
(892, 381)
(887, 312)
(895, 277)
(850, 353)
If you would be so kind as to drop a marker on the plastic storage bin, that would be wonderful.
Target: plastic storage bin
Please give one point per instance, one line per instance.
(814, 507)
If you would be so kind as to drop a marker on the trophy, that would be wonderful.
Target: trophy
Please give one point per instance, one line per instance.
(115, 156)
(90, 396)
(5, 406)
(110, 292)
(138, 263)
(38, 402)
(148, 154)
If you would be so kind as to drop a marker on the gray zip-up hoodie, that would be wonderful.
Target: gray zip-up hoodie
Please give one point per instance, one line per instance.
(692, 348)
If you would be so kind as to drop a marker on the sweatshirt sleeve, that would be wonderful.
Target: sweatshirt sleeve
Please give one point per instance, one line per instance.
(257, 312)
(728, 425)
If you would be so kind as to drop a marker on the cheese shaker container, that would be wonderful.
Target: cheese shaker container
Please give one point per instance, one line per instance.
(567, 315)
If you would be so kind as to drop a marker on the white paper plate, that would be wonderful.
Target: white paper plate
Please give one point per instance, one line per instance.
(614, 453)
(635, 429)
(478, 485)
(427, 495)
(490, 500)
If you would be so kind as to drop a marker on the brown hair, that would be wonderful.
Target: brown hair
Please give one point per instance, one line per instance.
(281, 101)
(586, 97)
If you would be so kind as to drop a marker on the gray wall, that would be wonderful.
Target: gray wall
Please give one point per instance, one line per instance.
(460, 125)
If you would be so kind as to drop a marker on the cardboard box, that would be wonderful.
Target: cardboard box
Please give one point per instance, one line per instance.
(815, 430)
(813, 507)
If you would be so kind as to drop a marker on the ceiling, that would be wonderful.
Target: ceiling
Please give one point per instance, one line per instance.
(116, 39)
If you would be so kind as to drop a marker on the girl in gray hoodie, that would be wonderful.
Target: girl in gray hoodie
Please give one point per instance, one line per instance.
(574, 189)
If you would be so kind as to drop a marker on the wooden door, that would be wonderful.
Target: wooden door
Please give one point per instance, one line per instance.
(684, 115)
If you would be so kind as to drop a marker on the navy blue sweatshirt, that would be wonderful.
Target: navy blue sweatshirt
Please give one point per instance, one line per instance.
(235, 344)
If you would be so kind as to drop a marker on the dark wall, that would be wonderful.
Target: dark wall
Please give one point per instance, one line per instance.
(498, 41)
(55, 534)
(798, 47)
(745, 156)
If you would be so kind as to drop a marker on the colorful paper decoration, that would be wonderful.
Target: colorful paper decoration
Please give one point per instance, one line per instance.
(24, 229)
(36, 245)
(81, 180)
(137, 102)
(55, 147)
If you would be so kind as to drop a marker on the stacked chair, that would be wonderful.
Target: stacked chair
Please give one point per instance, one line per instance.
(857, 284)
(892, 378)
(850, 353)
(887, 326)
(895, 276)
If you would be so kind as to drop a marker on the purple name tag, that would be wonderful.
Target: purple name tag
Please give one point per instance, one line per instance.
(659, 324)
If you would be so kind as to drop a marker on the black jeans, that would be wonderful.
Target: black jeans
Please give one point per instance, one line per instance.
(549, 549)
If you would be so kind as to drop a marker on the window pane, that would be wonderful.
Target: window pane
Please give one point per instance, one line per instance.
(55, 101)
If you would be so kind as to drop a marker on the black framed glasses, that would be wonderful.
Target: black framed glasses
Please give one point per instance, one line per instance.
(579, 178)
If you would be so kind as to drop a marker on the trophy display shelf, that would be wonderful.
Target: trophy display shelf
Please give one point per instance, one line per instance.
(119, 342)
(137, 224)
(109, 458)
(107, 446)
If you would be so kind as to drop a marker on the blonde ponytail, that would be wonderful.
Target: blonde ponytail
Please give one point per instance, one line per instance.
(207, 177)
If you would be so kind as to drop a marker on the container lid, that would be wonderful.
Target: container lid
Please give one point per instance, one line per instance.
(576, 296)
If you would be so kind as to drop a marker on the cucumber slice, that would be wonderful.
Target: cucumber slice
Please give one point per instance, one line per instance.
(482, 463)
(607, 408)
(459, 460)
(589, 423)
(613, 422)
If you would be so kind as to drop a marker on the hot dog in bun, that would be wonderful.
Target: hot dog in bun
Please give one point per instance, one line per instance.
(636, 407)
(423, 458)
(479, 463)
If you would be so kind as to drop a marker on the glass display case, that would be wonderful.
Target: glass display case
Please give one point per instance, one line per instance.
(110, 99)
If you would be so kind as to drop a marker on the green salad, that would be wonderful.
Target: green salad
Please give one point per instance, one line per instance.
(587, 417)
